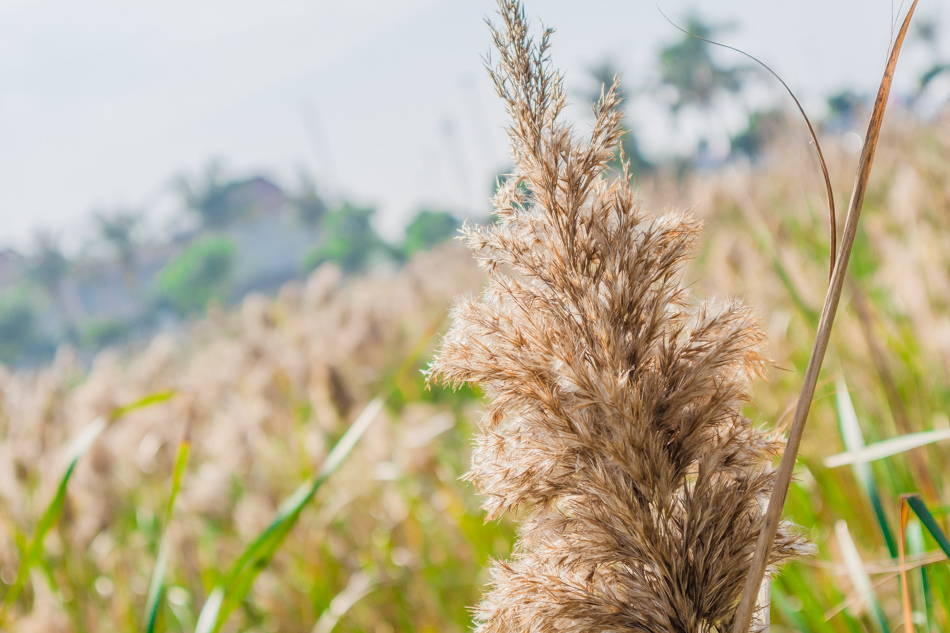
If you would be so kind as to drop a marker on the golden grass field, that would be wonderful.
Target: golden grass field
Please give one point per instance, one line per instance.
(395, 541)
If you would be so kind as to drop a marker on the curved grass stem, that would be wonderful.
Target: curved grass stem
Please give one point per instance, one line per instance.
(773, 514)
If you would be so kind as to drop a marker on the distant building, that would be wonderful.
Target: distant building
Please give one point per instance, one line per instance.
(271, 250)
(256, 197)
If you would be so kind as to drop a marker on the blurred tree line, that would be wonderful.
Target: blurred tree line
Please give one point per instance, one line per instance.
(691, 84)
(162, 284)
(41, 304)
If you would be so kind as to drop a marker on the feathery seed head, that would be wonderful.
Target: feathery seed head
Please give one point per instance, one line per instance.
(613, 422)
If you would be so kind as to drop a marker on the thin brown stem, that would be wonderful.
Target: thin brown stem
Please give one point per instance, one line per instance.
(832, 221)
(773, 514)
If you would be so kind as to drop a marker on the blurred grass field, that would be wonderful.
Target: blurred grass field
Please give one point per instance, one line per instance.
(394, 540)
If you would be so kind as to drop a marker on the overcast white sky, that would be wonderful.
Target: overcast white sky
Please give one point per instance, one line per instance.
(385, 101)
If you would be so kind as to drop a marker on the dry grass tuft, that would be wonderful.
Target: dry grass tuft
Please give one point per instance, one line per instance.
(265, 390)
(613, 422)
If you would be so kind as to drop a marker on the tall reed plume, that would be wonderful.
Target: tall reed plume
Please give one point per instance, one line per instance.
(613, 424)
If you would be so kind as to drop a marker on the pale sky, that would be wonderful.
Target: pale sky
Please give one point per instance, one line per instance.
(385, 101)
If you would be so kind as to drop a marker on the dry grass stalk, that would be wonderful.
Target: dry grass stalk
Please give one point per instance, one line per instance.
(256, 393)
(613, 422)
(771, 522)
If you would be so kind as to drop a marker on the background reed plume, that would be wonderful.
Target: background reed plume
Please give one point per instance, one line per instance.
(613, 422)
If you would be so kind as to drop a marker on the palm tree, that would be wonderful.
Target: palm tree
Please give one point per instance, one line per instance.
(696, 81)
(49, 269)
(603, 75)
(117, 230)
(688, 67)
(311, 206)
(207, 196)
(928, 33)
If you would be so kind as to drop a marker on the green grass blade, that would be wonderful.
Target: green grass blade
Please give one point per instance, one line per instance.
(781, 602)
(259, 555)
(851, 434)
(853, 440)
(928, 521)
(231, 593)
(156, 587)
(359, 586)
(915, 545)
(858, 574)
(208, 618)
(887, 448)
(181, 461)
(51, 515)
(147, 401)
(82, 442)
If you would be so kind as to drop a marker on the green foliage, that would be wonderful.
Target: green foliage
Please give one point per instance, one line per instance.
(118, 231)
(33, 550)
(603, 76)
(206, 199)
(231, 593)
(48, 269)
(843, 107)
(932, 73)
(690, 79)
(688, 67)
(348, 239)
(310, 205)
(761, 129)
(215, 201)
(928, 34)
(156, 589)
(18, 317)
(427, 229)
(202, 272)
(104, 332)
(49, 265)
